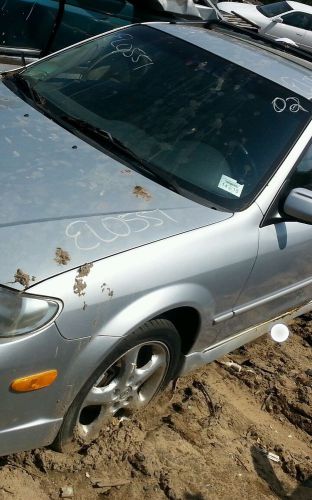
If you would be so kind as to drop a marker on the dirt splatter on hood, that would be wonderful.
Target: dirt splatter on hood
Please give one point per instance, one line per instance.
(61, 256)
(140, 192)
(23, 278)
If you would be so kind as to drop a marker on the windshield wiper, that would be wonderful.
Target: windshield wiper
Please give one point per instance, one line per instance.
(102, 136)
(24, 85)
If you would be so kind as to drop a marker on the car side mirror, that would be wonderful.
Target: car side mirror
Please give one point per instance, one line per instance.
(298, 204)
(277, 19)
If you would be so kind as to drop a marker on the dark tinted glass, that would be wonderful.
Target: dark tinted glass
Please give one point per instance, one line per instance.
(274, 9)
(302, 177)
(298, 20)
(216, 130)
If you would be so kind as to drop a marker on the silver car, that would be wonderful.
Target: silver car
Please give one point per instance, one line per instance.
(156, 213)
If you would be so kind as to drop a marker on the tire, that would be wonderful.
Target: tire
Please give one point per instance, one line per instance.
(129, 377)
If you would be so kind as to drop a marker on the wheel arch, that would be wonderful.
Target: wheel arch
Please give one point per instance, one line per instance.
(172, 303)
(188, 306)
(187, 321)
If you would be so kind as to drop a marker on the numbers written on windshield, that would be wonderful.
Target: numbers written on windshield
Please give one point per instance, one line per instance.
(125, 45)
(290, 103)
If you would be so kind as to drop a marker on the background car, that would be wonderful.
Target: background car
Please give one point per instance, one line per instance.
(35, 28)
(286, 19)
(155, 213)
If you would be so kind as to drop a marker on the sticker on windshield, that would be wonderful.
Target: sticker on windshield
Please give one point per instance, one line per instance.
(230, 185)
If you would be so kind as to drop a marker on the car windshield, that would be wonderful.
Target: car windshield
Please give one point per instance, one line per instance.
(274, 9)
(213, 130)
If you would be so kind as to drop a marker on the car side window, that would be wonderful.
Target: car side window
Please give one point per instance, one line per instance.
(302, 176)
(298, 20)
(309, 24)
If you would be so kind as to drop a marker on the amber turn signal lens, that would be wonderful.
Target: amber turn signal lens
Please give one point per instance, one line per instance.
(34, 382)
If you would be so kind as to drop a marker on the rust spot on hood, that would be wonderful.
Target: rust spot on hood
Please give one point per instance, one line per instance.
(61, 256)
(141, 192)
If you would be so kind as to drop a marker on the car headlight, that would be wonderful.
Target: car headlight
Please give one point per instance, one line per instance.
(22, 313)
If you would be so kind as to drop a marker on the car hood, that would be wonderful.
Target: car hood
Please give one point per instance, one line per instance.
(64, 203)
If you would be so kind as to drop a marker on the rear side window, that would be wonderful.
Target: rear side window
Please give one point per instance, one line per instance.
(298, 20)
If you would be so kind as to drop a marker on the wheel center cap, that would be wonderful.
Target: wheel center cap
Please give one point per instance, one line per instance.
(126, 393)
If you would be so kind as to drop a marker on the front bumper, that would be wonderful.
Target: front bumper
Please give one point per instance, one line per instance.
(34, 434)
(32, 419)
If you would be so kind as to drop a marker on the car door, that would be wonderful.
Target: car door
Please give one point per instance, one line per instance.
(294, 25)
(26, 25)
(281, 279)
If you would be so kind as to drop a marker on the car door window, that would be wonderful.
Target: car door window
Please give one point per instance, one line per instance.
(309, 23)
(302, 176)
(85, 18)
(298, 20)
(27, 24)
(107, 6)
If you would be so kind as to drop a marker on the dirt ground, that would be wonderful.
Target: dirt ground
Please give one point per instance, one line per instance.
(208, 437)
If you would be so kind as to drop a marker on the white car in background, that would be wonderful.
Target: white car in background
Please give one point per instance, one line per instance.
(291, 20)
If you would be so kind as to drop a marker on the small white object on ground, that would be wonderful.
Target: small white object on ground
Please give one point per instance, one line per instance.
(232, 364)
(273, 457)
(67, 492)
(279, 332)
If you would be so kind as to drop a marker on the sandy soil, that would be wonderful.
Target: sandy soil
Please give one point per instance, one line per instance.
(207, 437)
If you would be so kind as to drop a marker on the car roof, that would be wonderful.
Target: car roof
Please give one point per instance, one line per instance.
(277, 66)
(300, 6)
